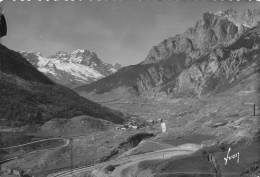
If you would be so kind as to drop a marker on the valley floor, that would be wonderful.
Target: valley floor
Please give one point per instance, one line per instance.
(223, 120)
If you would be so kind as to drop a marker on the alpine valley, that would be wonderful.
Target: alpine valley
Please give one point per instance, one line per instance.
(191, 103)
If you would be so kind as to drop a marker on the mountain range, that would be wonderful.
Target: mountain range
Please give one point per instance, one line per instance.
(204, 85)
(218, 52)
(71, 69)
(210, 56)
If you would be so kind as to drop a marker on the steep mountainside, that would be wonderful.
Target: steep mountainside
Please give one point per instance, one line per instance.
(72, 69)
(208, 57)
(27, 96)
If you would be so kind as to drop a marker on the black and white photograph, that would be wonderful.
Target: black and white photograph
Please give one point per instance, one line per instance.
(129, 88)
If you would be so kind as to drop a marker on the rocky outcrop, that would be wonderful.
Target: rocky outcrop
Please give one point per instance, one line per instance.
(247, 18)
(222, 66)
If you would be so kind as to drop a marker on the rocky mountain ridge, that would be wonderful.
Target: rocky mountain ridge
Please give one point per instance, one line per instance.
(71, 69)
(221, 28)
(206, 58)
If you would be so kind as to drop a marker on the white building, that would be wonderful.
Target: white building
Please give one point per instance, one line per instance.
(163, 125)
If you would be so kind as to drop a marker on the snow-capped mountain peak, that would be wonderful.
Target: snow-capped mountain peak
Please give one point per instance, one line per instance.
(78, 51)
(71, 69)
(77, 56)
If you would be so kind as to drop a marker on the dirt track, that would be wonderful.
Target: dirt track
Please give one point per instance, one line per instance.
(66, 143)
(30, 143)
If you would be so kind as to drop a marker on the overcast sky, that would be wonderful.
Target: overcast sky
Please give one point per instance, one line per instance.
(122, 31)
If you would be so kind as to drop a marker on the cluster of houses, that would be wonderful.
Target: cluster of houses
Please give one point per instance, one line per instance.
(131, 124)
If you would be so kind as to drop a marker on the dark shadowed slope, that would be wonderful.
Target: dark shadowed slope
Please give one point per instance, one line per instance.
(27, 96)
(13, 63)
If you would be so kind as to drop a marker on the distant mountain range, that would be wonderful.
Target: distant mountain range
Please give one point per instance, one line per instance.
(211, 56)
(29, 97)
(72, 69)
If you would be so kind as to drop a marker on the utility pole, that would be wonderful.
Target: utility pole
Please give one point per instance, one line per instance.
(214, 163)
(254, 109)
(71, 156)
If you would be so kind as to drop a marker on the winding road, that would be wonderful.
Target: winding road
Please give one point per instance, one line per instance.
(160, 154)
